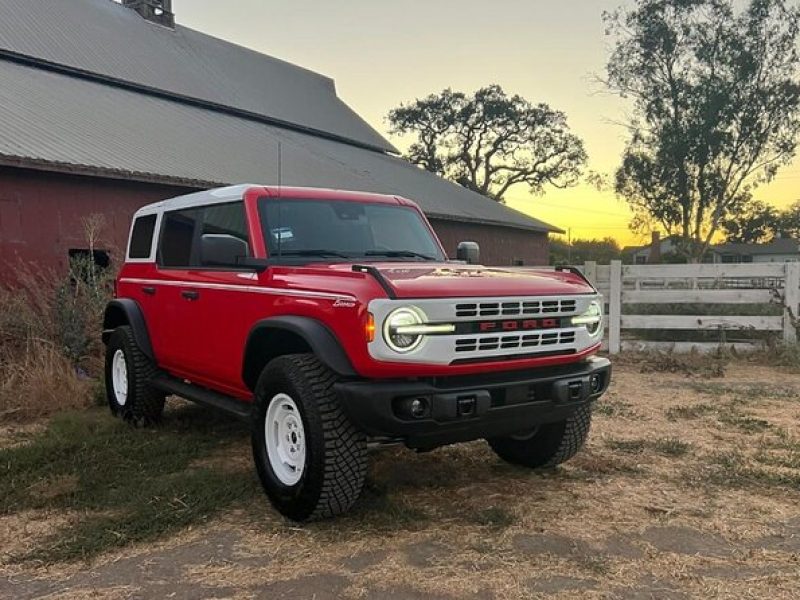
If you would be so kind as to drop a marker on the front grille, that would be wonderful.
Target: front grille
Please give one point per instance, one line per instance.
(513, 342)
(511, 309)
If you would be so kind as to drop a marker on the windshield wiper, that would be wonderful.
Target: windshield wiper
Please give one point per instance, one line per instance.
(399, 254)
(319, 252)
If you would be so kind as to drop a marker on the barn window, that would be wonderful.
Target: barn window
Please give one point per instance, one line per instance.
(142, 237)
(100, 259)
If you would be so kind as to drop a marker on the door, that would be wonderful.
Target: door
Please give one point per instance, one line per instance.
(177, 333)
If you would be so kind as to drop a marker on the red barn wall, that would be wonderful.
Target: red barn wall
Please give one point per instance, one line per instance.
(41, 215)
(41, 219)
(500, 246)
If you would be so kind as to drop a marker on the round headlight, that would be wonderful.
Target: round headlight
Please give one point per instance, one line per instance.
(397, 320)
(592, 319)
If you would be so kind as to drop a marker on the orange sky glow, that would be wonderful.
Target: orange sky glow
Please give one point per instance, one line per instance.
(384, 53)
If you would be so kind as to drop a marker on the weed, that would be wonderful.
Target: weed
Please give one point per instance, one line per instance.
(495, 516)
(733, 469)
(691, 363)
(627, 446)
(614, 407)
(670, 447)
(689, 411)
(743, 422)
(663, 446)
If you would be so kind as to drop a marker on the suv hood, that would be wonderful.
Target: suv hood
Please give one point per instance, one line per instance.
(414, 280)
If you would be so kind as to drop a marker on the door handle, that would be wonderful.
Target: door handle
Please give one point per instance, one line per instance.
(190, 294)
(149, 290)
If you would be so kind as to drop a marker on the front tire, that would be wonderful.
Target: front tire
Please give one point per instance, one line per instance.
(310, 459)
(549, 445)
(128, 374)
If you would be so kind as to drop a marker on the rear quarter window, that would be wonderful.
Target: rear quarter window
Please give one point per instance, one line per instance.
(142, 237)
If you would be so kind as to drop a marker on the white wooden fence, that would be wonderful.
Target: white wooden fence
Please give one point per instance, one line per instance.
(776, 284)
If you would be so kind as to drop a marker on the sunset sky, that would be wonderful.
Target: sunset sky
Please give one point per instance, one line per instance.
(382, 53)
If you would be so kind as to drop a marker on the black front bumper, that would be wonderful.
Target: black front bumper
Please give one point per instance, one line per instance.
(459, 409)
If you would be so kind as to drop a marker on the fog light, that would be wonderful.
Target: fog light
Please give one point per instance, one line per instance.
(415, 408)
(595, 383)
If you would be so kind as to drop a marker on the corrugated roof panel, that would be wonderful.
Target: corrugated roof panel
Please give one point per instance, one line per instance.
(55, 118)
(103, 37)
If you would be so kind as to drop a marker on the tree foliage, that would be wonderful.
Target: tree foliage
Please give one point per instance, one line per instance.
(489, 142)
(715, 108)
(579, 251)
(761, 223)
(756, 223)
(789, 222)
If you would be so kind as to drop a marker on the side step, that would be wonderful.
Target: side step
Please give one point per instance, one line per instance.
(170, 385)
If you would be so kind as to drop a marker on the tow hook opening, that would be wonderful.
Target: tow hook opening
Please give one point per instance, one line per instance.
(575, 390)
(466, 406)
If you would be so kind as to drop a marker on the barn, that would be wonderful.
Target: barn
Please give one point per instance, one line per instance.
(107, 106)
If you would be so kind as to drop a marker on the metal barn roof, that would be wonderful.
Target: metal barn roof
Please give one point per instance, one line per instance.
(66, 120)
(106, 39)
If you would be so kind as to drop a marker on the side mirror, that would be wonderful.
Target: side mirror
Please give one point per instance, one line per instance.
(221, 250)
(469, 252)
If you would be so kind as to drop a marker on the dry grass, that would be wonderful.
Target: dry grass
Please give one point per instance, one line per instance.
(38, 380)
(50, 348)
(667, 498)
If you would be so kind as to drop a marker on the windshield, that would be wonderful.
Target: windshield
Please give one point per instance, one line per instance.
(336, 229)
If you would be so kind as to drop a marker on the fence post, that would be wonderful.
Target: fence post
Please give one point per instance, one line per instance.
(615, 307)
(791, 299)
(590, 271)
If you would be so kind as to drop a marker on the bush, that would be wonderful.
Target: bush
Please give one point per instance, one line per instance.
(50, 347)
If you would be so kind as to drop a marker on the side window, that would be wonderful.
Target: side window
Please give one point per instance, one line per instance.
(212, 236)
(224, 237)
(142, 237)
(177, 237)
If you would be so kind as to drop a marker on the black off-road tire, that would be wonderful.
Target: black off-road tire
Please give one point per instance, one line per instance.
(144, 405)
(336, 452)
(551, 444)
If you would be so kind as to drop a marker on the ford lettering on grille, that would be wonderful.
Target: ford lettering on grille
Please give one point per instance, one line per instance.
(519, 325)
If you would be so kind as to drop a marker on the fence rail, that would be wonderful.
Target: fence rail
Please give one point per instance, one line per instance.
(669, 286)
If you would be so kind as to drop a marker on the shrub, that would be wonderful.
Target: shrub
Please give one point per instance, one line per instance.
(50, 347)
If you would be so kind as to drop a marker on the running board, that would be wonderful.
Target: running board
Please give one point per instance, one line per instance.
(205, 397)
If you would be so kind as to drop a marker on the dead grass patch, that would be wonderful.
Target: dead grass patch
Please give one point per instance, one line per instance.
(37, 381)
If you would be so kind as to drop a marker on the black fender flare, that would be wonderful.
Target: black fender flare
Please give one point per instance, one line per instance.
(124, 311)
(317, 336)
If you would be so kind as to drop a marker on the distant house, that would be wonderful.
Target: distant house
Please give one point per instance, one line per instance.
(652, 253)
(779, 250)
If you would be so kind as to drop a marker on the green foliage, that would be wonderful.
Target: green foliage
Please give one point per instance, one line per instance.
(579, 251)
(489, 142)
(716, 109)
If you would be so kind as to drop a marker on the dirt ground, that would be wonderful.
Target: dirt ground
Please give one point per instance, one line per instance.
(689, 487)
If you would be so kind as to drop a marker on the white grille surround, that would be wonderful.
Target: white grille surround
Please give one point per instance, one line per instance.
(485, 346)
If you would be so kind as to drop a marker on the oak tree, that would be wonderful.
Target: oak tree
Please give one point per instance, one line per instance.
(489, 141)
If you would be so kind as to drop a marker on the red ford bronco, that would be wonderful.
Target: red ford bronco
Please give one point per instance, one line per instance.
(334, 320)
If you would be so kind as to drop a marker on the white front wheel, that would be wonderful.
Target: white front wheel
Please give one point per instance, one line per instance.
(284, 437)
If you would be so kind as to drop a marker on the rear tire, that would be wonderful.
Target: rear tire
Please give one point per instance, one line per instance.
(550, 445)
(310, 458)
(128, 374)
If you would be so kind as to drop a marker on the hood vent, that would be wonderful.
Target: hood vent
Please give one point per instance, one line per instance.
(156, 11)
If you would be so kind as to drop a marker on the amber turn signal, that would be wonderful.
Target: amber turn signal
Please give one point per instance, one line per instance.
(369, 328)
